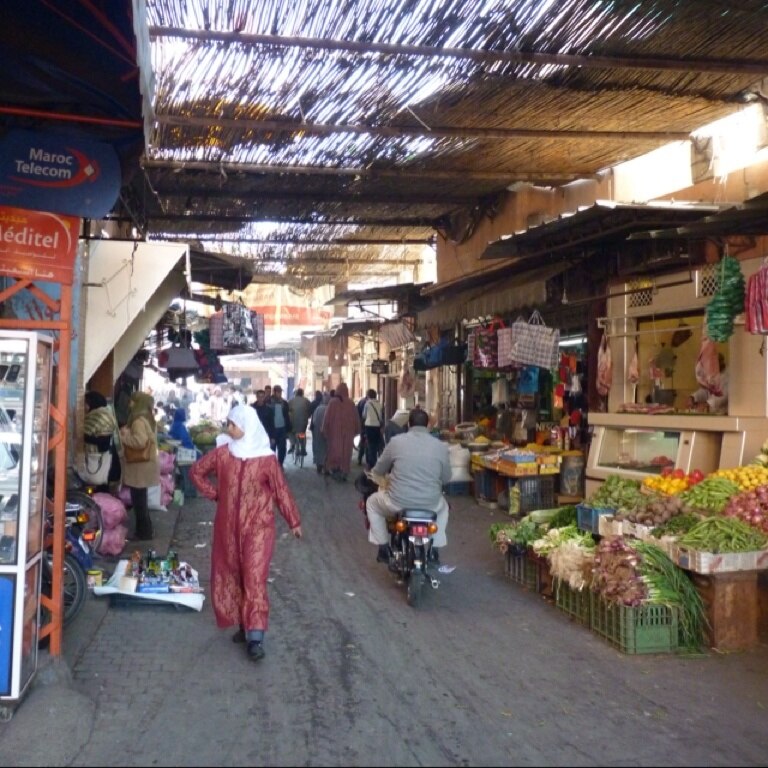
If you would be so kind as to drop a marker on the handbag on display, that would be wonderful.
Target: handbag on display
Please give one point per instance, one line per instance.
(534, 343)
(95, 468)
(137, 455)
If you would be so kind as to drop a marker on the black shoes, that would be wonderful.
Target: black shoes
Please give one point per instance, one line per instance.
(255, 650)
(239, 636)
(383, 554)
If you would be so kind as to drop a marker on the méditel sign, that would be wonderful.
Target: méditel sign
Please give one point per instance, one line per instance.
(37, 245)
(379, 366)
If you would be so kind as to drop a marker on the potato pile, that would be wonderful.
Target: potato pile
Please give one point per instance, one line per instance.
(653, 510)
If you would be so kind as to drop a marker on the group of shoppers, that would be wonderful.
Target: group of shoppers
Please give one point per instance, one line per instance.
(243, 476)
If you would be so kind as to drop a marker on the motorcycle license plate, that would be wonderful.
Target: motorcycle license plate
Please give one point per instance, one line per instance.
(419, 530)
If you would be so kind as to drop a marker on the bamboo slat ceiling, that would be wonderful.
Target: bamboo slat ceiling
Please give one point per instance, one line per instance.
(328, 140)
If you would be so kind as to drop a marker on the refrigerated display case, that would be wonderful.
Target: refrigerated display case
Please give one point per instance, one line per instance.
(25, 383)
(634, 445)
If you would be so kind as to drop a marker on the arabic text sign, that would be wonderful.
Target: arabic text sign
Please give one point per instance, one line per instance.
(36, 245)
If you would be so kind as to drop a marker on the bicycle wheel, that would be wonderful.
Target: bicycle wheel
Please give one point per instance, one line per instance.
(301, 449)
(296, 451)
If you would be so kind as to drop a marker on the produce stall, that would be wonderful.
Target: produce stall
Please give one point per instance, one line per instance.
(668, 563)
(524, 476)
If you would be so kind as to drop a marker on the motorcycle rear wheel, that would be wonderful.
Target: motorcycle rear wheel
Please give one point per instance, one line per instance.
(75, 588)
(415, 588)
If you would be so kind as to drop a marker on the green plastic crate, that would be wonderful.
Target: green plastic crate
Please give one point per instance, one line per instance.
(635, 629)
(576, 603)
(522, 571)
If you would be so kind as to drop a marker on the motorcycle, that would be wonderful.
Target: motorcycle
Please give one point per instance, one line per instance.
(82, 530)
(77, 560)
(83, 508)
(411, 553)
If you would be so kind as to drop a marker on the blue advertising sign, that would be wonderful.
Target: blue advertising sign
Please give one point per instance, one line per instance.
(6, 633)
(60, 173)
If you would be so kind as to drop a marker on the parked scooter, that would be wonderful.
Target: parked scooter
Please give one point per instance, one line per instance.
(411, 533)
(81, 506)
(77, 560)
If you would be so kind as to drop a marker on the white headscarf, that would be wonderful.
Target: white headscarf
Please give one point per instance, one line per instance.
(255, 441)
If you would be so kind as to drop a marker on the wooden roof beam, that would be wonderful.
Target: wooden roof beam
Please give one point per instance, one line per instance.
(381, 173)
(297, 261)
(391, 131)
(714, 66)
(359, 221)
(351, 196)
(309, 241)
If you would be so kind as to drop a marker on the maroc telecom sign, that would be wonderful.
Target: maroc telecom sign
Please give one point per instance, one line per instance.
(38, 246)
(58, 172)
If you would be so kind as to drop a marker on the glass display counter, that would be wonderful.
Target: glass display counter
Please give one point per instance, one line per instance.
(25, 383)
(637, 445)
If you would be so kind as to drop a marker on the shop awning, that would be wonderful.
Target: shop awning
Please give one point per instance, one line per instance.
(496, 292)
(603, 222)
(748, 218)
(407, 295)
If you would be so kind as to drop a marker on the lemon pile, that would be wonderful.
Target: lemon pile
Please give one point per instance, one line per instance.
(668, 485)
(747, 477)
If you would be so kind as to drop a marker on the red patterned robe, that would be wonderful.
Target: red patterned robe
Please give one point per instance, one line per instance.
(243, 531)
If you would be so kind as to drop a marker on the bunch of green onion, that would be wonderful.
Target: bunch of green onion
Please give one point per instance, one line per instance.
(669, 585)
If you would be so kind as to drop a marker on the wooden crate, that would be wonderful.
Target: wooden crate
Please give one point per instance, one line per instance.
(731, 605)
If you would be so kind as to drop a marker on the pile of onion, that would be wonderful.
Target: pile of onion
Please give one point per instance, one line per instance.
(751, 507)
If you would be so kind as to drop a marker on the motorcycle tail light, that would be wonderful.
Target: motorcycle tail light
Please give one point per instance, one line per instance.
(418, 529)
(89, 535)
(401, 526)
(432, 528)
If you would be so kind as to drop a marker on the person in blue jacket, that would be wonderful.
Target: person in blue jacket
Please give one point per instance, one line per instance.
(178, 429)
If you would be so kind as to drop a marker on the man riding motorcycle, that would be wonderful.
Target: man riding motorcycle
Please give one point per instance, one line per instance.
(420, 466)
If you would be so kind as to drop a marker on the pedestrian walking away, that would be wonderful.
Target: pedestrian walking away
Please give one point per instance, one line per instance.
(319, 443)
(249, 483)
(281, 422)
(340, 425)
(373, 424)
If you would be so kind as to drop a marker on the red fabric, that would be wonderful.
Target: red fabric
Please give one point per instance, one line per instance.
(340, 425)
(243, 531)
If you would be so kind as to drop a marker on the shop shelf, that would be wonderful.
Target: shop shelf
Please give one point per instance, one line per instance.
(635, 629)
(576, 603)
(536, 492)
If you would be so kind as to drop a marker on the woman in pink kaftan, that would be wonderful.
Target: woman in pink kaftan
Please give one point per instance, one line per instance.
(249, 483)
(340, 426)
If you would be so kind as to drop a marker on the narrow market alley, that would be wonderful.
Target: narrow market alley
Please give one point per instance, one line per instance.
(484, 673)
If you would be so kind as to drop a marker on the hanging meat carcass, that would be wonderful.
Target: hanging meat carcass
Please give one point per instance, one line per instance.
(708, 366)
(604, 367)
